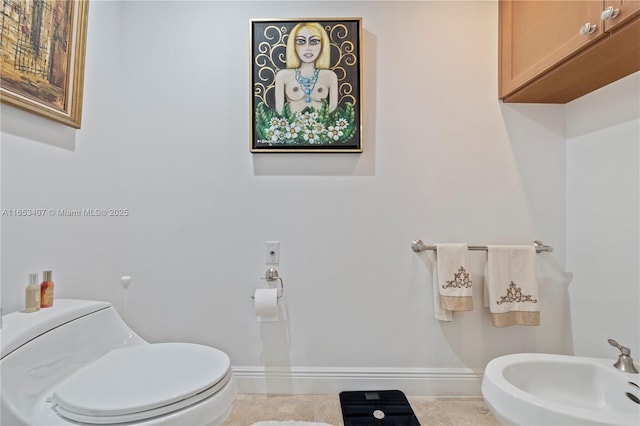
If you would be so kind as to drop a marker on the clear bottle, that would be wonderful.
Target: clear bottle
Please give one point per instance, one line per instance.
(46, 290)
(32, 294)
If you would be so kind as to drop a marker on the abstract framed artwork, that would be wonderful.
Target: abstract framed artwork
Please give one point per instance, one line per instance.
(306, 79)
(43, 51)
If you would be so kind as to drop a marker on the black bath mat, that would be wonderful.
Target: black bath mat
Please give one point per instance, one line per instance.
(376, 408)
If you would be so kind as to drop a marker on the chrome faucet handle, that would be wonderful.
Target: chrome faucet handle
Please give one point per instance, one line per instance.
(625, 362)
(624, 350)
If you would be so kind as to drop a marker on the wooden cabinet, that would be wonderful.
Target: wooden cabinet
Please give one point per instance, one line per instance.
(557, 51)
(619, 13)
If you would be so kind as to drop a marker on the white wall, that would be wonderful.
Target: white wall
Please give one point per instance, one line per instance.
(47, 165)
(603, 218)
(166, 135)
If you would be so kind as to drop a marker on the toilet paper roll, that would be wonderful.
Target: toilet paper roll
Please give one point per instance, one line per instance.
(266, 303)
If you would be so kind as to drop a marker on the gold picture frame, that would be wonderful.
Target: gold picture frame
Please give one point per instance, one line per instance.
(42, 57)
(306, 85)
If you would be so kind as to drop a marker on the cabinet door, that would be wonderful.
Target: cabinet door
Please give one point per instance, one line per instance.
(625, 10)
(536, 35)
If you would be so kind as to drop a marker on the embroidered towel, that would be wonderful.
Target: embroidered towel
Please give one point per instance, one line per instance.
(510, 286)
(454, 283)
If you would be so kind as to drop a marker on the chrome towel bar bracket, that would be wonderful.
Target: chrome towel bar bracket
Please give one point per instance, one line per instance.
(419, 246)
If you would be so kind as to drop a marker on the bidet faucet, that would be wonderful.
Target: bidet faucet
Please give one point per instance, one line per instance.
(625, 362)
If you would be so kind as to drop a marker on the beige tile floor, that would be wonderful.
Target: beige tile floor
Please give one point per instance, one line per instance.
(430, 411)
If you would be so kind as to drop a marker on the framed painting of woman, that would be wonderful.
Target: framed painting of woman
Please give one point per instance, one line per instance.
(306, 81)
(42, 57)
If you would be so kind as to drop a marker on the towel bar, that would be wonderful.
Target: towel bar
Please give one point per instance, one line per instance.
(419, 246)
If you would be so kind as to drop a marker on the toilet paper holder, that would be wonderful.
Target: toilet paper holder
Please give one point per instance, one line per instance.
(270, 275)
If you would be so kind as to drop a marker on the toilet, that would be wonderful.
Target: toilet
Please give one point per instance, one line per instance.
(77, 362)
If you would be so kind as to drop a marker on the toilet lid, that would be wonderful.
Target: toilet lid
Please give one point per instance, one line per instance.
(142, 381)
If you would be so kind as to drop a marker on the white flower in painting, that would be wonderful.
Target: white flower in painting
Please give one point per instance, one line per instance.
(275, 121)
(292, 131)
(309, 116)
(310, 136)
(282, 123)
(334, 133)
(318, 128)
(273, 133)
(341, 124)
(299, 120)
(306, 119)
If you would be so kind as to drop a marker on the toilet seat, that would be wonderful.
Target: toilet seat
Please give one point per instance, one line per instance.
(140, 382)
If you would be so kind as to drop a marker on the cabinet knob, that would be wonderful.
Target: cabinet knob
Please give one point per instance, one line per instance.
(609, 13)
(588, 28)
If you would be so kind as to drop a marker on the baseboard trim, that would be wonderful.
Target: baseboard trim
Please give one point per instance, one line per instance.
(438, 382)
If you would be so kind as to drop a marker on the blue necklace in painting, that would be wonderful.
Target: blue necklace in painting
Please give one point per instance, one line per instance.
(307, 83)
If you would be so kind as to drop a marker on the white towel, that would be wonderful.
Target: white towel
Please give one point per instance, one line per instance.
(511, 287)
(440, 313)
(454, 281)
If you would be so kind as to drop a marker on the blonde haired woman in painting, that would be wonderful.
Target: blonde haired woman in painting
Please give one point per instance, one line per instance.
(307, 80)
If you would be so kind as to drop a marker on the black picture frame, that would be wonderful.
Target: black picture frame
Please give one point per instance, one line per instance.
(306, 92)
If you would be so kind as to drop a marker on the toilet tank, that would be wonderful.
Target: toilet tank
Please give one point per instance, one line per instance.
(40, 349)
